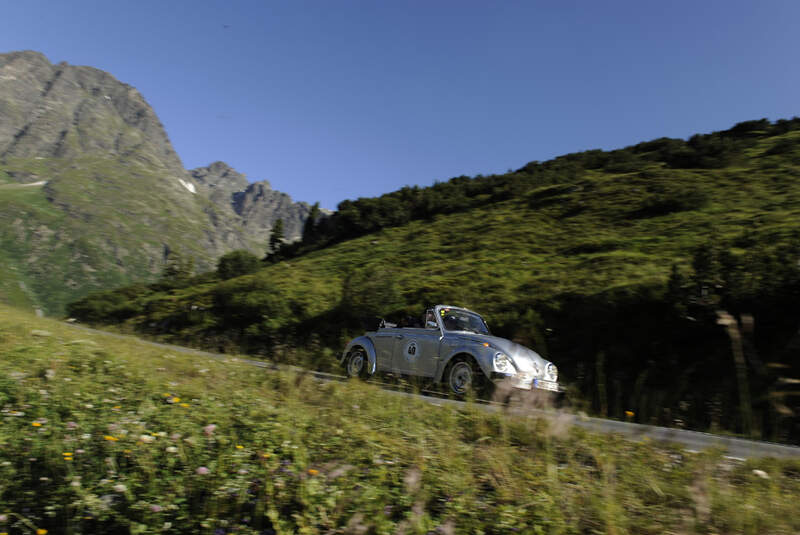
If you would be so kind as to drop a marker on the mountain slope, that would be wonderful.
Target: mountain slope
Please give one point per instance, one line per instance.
(613, 265)
(94, 195)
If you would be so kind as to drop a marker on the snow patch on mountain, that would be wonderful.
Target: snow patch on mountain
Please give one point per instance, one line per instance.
(187, 185)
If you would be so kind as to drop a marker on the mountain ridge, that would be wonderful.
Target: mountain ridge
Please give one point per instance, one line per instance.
(106, 192)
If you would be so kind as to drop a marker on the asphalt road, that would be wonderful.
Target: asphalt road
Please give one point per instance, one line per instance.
(691, 440)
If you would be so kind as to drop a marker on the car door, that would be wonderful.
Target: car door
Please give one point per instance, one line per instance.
(384, 341)
(416, 352)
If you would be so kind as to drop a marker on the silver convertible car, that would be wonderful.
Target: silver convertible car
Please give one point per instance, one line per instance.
(452, 346)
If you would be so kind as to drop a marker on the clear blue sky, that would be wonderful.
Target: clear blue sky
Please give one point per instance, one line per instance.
(331, 100)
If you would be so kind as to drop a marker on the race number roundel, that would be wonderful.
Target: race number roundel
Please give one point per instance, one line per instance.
(411, 350)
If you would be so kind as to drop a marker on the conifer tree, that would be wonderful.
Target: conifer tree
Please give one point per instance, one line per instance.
(276, 238)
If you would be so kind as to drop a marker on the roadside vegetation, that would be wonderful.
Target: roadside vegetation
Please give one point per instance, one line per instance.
(102, 435)
(618, 266)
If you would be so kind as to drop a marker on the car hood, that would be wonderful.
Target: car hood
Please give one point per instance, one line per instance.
(523, 357)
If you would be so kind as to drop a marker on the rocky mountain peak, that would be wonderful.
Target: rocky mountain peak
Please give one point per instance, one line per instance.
(220, 175)
(66, 111)
(93, 152)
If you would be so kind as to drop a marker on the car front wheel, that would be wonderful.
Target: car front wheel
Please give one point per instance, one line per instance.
(461, 377)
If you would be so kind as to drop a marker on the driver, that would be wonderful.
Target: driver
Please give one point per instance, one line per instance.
(451, 323)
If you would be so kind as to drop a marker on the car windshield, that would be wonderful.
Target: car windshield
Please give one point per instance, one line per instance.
(461, 320)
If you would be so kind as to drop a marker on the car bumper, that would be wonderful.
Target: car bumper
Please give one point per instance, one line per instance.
(524, 382)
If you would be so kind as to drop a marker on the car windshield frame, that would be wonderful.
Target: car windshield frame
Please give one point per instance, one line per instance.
(467, 320)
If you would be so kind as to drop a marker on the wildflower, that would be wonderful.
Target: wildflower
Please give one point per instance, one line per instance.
(119, 487)
(184, 405)
(175, 400)
(239, 447)
(313, 472)
(3, 518)
(629, 414)
(155, 508)
(265, 455)
(41, 531)
(110, 438)
(79, 451)
(202, 471)
(147, 439)
(209, 429)
(760, 473)
(67, 454)
(36, 424)
(172, 449)
(71, 425)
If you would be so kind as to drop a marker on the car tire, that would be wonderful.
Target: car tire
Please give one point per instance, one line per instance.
(462, 376)
(357, 364)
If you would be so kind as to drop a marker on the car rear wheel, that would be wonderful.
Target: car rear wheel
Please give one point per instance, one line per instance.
(357, 364)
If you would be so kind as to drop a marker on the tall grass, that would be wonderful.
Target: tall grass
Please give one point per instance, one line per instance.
(100, 435)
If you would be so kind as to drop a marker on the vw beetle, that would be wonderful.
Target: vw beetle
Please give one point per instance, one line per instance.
(453, 346)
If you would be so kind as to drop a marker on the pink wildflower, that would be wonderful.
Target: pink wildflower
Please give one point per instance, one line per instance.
(202, 471)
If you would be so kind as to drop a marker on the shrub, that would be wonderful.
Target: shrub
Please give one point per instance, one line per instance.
(236, 264)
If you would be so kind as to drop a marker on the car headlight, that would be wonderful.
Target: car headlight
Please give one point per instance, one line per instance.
(502, 363)
(552, 371)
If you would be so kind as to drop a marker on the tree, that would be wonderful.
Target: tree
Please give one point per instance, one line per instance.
(275, 239)
(177, 270)
(236, 264)
(310, 226)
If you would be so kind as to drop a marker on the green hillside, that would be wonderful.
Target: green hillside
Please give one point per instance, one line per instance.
(94, 223)
(102, 435)
(612, 264)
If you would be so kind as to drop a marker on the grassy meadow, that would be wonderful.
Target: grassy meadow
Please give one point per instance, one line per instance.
(103, 435)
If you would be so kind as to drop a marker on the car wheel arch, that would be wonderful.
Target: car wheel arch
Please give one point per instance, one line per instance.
(364, 343)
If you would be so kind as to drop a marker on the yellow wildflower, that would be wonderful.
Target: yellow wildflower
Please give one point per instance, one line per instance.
(110, 438)
(67, 454)
(117, 407)
(265, 455)
(184, 405)
(36, 424)
(239, 446)
(629, 414)
(41, 531)
(312, 472)
(176, 400)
